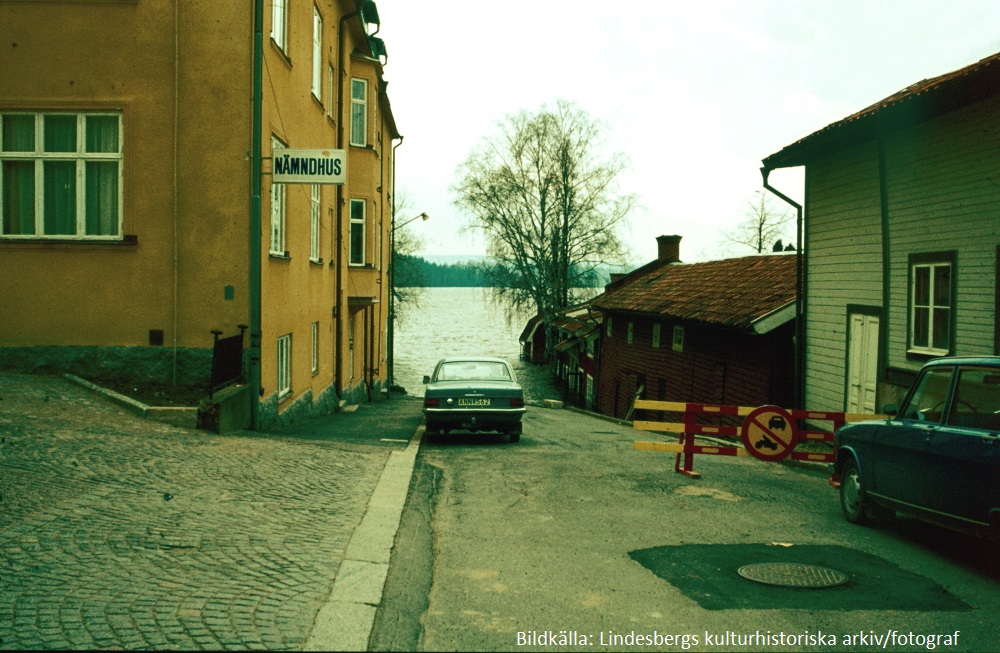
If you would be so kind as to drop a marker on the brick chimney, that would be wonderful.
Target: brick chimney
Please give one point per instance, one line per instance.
(668, 248)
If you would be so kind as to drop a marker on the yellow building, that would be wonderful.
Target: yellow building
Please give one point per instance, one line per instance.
(127, 203)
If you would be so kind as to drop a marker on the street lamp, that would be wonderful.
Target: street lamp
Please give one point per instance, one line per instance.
(391, 379)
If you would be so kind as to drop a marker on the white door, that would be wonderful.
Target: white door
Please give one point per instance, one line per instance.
(862, 363)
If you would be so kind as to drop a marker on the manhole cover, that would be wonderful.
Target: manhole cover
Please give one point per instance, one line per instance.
(792, 575)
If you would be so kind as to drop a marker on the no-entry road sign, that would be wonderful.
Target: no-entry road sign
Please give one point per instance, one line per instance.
(769, 433)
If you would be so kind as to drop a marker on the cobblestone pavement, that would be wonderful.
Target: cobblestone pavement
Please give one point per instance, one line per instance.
(118, 532)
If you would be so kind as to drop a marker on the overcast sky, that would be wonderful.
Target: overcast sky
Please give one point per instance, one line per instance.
(694, 93)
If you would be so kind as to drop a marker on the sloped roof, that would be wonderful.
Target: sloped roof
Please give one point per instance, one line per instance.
(732, 292)
(915, 103)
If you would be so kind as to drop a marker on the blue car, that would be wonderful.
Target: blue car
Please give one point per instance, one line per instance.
(937, 456)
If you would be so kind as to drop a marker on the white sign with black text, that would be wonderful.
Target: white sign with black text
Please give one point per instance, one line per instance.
(309, 166)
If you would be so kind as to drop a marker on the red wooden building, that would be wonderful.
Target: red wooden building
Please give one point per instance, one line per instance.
(717, 332)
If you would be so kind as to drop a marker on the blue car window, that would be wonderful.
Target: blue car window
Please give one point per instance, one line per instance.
(927, 401)
(977, 399)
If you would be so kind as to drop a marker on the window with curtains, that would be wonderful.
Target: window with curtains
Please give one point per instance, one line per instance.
(317, 69)
(357, 232)
(314, 231)
(284, 366)
(277, 246)
(279, 24)
(61, 175)
(359, 112)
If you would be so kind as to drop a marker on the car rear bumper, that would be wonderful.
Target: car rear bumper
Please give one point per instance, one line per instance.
(478, 420)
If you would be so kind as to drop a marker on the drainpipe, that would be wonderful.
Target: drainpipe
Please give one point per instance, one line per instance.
(337, 313)
(390, 352)
(176, 216)
(253, 354)
(800, 327)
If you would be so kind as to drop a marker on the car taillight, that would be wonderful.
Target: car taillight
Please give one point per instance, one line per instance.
(517, 402)
(430, 402)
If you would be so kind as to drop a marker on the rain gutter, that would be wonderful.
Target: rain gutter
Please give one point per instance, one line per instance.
(253, 354)
(338, 315)
(800, 331)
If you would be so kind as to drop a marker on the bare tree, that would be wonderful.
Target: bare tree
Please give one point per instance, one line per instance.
(405, 244)
(762, 225)
(547, 203)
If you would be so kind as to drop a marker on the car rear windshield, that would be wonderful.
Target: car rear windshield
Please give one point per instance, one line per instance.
(473, 371)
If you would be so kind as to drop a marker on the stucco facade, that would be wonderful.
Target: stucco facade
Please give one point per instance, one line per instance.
(145, 110)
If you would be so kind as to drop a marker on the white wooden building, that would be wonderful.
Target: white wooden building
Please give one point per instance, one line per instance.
(900, 238)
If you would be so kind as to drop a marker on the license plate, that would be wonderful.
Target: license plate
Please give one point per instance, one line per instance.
(473, 401)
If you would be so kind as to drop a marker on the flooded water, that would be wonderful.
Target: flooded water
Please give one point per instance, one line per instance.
(461, 322)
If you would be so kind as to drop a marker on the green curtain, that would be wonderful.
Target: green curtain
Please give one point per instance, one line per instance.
(102, 198)
(60, 198)
(18, 197)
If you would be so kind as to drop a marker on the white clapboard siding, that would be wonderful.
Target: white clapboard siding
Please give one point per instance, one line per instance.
(943, 182)
(844, 251)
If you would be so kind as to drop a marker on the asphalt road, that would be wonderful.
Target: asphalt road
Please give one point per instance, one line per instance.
(573, 534)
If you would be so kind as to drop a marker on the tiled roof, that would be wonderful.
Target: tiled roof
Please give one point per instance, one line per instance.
(920, 101)
(731, 292)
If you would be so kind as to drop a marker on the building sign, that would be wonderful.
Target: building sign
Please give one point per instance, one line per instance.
(309, 166)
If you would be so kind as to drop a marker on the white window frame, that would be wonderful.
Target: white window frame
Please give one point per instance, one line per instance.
(315, 348)
(317, 69)
(278, 212)
(359, 224)
(279, 24)
(80, 157)
(315, 224)
(931, 266)
(359, 112)
(284, 366)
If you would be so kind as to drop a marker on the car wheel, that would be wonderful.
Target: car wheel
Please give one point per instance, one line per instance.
(852, 493)
(515, 436)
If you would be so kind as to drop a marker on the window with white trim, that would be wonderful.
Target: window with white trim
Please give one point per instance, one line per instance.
(284, 366)
(630, 333)
(61, 175)
(279, 24)
(315, 348)
(277, 246)
(932, 302)
(314, 231)
(317, 70)
(359, 112)
(357, 232)
(656, 336)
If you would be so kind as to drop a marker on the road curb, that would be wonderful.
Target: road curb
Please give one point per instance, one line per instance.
(185, 417)
(345, 623)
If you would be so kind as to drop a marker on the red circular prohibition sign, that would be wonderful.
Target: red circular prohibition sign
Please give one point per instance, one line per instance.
(769, 433)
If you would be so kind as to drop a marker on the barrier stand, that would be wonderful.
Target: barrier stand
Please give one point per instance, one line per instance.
(685, 448)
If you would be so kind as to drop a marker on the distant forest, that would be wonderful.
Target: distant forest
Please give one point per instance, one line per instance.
(416, 272)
